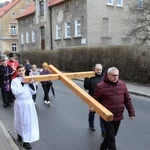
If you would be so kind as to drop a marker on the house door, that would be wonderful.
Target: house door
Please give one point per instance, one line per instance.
(42, 38)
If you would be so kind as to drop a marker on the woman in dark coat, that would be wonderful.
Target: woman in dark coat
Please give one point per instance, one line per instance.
(6, 73)
(46, 85)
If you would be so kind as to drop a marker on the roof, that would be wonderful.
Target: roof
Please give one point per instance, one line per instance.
(54, 2)
(6, 8)
(29, 10)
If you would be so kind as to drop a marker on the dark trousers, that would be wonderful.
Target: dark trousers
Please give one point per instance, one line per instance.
(102, 126)
(91, 119)
(111, 129)
(34, 96)
(46, 88)
(7, 96)
(91, 122)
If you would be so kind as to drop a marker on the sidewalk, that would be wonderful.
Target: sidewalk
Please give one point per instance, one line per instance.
(7, 143)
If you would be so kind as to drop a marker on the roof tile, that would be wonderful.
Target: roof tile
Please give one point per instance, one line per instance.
(6, 8)
(54, 2)
(29, 10)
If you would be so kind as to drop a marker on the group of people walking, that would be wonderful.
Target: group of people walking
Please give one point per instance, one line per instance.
(113, 94)
(106, 88)
(23, 95)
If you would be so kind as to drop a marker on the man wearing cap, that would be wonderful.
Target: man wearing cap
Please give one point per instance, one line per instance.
(13, 64)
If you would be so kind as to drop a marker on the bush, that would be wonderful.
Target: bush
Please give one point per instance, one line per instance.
(132, 61)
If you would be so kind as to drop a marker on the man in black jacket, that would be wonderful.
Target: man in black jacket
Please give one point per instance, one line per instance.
(90, 84)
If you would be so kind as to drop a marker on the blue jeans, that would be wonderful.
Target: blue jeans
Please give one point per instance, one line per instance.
(91, 122)
(102, 126)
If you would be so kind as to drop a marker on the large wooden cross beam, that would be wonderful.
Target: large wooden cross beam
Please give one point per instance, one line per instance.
(65, 78)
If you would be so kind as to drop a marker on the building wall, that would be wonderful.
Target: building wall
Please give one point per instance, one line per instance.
(6, 20)
(98, 13)
(69, 11)
(43, 21)
(27, 25)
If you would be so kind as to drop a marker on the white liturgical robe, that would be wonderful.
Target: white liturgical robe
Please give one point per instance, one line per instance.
(25, 116)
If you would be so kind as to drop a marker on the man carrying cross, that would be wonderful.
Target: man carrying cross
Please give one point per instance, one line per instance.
(112, 93)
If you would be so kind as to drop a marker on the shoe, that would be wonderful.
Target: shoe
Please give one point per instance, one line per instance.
(45, 102)
(19, 138)
(5, 105)
(48, 102)
(92, 128)
(103, 134)
(27, 145)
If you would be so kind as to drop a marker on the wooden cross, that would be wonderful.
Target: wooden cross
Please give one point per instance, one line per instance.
(65, 78)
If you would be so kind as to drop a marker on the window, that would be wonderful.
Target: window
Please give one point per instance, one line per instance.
(27, 37)
(14, 47)
(110, 2)
(58, 30)
(27, 2)
(140, 4)
(13, 30)
(13, 14)
(22, 38)
(77, 27)
(41, 8)
(33, 36)
(105, 27)
(67, 29)
(119, 2)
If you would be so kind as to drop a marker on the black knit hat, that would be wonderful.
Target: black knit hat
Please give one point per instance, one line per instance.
(11, 55)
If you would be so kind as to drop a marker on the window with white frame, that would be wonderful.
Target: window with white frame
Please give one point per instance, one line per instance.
(13, 30)
(119, 2)
(27, 2)
(27, 37)
(58, 31)
(33, 36)
(140, 3)
(14, 47)
(41, 7)
(67, 29)
(22, 38)
(77, 27)
(109, 2)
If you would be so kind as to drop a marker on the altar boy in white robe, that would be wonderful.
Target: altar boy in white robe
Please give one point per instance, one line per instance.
(25, 116)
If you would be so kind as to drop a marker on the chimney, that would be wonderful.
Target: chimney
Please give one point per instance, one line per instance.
(6, 3)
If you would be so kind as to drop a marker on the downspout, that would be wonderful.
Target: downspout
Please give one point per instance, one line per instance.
(51, 35)
(0, 38)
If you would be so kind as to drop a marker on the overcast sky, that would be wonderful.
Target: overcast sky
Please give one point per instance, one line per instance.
(1, 1)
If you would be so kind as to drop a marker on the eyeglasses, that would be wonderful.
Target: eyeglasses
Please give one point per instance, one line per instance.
(114, 75)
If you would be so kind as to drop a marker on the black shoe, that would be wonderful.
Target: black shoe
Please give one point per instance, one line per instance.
(92, 128)
(27, 145)
(8, 104)
(19, 138)
(103, 134)
(4, 105)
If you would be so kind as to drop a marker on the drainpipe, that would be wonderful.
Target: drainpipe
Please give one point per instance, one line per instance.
(51, 36)
(0, 38)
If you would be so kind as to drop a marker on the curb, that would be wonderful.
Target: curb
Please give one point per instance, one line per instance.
(9, 138)
(139, 94)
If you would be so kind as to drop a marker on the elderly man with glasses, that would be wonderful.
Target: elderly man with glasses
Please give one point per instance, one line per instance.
(112, 93)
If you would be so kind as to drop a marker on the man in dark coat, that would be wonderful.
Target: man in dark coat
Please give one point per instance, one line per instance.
(90, 84)
(112, 93)
(6, 73)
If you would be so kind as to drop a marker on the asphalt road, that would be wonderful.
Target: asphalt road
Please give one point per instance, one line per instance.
(64, 126)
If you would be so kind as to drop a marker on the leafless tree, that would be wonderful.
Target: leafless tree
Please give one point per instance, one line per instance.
(140, 22)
